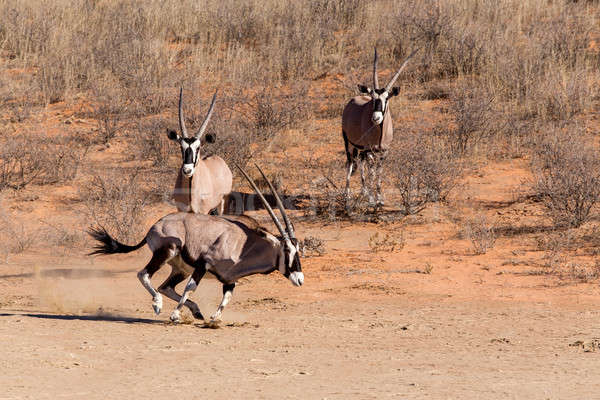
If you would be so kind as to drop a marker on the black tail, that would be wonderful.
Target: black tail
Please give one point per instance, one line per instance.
(108, 245)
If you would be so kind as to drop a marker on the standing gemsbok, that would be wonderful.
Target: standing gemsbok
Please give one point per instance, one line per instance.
(203, 181)
(368, 132)
(230, 248)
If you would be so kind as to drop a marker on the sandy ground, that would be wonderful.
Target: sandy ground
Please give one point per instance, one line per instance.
(364, 325)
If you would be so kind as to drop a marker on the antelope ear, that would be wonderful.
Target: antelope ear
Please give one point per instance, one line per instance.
(394, 92)
(210, 138)
(171, 134)
(364, 89)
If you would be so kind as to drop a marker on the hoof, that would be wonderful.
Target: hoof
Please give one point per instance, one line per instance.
(198, 315)
(215, 318)
(175, 316)
(157, 304)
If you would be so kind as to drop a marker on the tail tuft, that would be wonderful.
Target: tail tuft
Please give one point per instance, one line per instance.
(108, 245)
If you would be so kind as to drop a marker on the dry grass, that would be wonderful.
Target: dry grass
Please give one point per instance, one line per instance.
(388, 242)
(567, 177)
(423, 170)
(116, 201)
(48, 161)
(312, 246)
(506, 67)
(481, 234)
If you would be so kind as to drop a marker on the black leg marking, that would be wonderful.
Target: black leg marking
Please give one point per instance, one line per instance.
(168, 289)
(228, 287)
(159, 258)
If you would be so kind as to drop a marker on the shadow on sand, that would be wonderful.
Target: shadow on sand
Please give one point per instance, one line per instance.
(70, 273)
(94, 317)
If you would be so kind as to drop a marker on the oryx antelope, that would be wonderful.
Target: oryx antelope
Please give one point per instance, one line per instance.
(368, 132)
(203, 181)
(229, 248)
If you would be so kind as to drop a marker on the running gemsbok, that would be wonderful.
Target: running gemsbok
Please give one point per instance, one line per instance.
(202, 182)
(228, 247)
(368, 132)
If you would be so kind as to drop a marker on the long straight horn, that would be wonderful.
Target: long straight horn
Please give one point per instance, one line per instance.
(375, 80)
(181, 119)
(265, 203)
(389, 85)
(288, 224)
(208, 114)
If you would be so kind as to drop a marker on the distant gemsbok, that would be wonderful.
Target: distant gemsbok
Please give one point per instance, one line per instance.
(368, 132)
(229, 247)
(203, 181)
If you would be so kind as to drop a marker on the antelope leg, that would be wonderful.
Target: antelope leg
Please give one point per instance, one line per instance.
(227, 293)
(189, 287)
(350, 167)
(159, 257)
(365, 179)
(349, 163)
(380, 162)
(168, 289)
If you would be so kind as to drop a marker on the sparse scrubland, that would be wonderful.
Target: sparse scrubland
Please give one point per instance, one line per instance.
(478, 278)
(89, 87)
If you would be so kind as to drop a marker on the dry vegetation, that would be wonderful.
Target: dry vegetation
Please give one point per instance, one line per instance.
(512, 79)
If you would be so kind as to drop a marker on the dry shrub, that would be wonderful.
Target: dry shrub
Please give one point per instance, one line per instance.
(472, 113)
(63, 235)
(276, 113)
(435, 91)
(235, 143)
(536, 60)
(116, 201)
(48, 161)
(481, 233)
(245, 128)
(564, 95)
(63, 157)
(581, 272)
(151, 143)
(15, 236)
(109, 108)
(423, 170)
(566, 172)
(387, 242)
(312, 246)
(20, 164)
(330, 202)
(15, 92)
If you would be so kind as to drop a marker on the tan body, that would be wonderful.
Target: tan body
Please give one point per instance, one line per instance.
(359, 129)
(228, 247)
(211, 182)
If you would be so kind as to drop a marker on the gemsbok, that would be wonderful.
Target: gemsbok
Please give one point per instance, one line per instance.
(368, 132)
(203, 181)
(230, 248)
